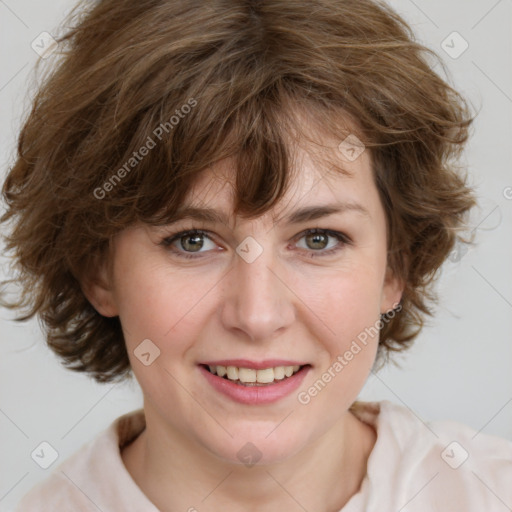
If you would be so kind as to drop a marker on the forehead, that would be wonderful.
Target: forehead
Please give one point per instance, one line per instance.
(320, 174)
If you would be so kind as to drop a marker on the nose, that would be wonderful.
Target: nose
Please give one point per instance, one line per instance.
(258, 299)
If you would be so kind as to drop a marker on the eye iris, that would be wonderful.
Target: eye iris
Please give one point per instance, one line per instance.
(317, 238)
(193, 242)
(196, 244)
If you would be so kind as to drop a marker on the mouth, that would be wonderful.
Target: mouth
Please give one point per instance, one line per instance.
(252, 383)
(251, 377)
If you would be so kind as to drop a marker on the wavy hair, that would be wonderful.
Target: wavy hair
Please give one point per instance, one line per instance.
(205, 81)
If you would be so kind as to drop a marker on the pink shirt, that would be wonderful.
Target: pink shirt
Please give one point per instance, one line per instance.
(437, 466)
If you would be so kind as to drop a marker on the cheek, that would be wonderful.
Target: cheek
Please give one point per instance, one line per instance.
(349, 350)
(161, 304)
(147, 302)
(350, 311)
(346, 301)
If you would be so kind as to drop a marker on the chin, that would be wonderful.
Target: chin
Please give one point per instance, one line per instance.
(257, 448)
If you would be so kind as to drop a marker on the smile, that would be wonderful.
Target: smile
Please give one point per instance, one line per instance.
(253, 377)
(253, 383)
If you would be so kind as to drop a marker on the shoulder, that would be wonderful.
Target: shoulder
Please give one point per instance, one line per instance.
(85, 480)
(54, 493)
(439, 465)
(63, 487)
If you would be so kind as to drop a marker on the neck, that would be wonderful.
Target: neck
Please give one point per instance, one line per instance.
(175, 473)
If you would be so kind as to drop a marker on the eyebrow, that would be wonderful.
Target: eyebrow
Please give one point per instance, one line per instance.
(315, 212)
(306, 214)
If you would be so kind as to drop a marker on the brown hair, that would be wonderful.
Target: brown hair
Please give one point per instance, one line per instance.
(206, 81)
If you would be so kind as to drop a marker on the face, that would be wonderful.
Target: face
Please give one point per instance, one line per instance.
(256, 296)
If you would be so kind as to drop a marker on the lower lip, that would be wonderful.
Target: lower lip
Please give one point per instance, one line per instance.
(256, 395)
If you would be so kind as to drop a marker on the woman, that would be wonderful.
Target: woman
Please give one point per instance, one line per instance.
(243, 203)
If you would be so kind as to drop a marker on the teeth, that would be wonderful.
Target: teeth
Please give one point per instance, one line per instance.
(279, 373)
(251, 376)
(232, 372)
(246, 375)
(265, 376)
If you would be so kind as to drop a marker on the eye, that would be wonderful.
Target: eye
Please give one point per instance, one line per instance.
(188, 244)
(318, 239)
(191, 241)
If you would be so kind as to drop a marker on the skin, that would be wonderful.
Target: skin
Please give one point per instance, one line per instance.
(284, 305)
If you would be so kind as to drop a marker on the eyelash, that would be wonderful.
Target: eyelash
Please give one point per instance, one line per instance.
(341, 237)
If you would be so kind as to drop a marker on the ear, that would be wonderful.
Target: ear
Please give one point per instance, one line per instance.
(97, 288)
(392, 290)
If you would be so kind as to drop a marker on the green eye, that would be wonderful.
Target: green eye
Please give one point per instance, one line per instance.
(192, 241)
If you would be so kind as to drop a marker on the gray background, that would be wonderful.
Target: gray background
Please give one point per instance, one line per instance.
(460, 367)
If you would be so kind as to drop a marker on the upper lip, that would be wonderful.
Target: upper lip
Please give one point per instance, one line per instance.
(256, 365)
